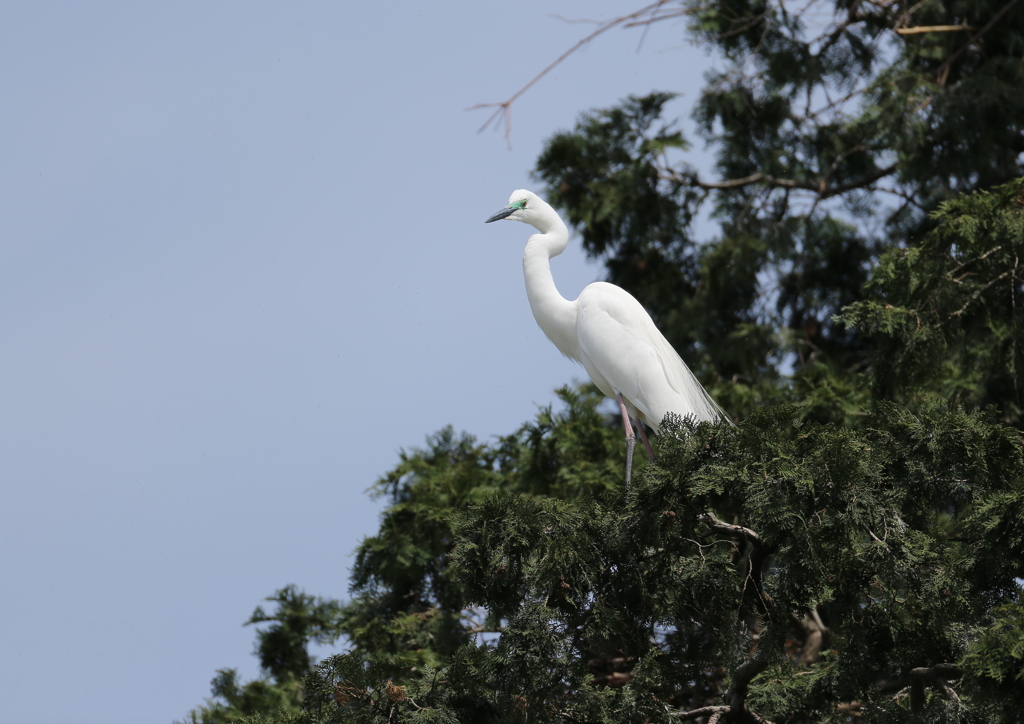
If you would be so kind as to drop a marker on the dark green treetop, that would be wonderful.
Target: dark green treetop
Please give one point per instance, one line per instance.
(781, 570)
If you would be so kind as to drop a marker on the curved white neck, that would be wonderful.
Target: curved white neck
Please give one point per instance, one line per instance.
(555, 315)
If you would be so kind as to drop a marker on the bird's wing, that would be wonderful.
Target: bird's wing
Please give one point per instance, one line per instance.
(621, 342)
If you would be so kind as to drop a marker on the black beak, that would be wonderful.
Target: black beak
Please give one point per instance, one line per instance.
(500, 215)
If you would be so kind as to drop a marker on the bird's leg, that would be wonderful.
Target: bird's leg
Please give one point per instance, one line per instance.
(647, 443)
(630, 438)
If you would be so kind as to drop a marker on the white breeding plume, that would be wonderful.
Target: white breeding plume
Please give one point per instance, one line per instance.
(608, 332)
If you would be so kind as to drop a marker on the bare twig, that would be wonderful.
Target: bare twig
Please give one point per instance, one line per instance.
(810, 115)
(953, 272)
(908, 199)
(575, 21)
(643, 35)
(503, 110)
(835, 164)
(656, 18)
(978, 293)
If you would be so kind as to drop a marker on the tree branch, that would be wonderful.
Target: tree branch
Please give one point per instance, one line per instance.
(814, 636)
(736, 696)
(503, 110)
(722, 527)
(756, 555)
(819, 187)
(937, 676)
(932, 29)
(703, 711)
(714, 714)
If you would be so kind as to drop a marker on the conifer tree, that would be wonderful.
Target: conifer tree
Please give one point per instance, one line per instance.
(853, 549)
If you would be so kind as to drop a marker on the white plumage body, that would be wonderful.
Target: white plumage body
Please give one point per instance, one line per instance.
(623, 351)
(606, 330)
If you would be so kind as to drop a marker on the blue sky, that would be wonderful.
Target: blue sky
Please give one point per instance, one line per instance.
(244, 264)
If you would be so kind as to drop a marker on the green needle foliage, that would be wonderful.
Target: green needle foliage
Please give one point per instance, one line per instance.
(853, 549)
(943, 314)
(782, 570)
(298, 620)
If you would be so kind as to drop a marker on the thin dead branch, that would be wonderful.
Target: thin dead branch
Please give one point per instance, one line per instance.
(503, 110)
(656, 19)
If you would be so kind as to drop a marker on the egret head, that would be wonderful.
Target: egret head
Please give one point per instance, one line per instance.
(522, 206)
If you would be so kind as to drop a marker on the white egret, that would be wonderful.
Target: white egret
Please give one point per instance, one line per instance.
(608, 332)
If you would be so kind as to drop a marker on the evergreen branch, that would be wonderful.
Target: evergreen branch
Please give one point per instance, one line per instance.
(751, 22)
(819, 187)
(835, 164)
